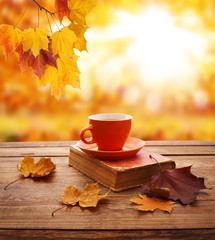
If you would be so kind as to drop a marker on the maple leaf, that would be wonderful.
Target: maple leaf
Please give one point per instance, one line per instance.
(67, 72)
(79, 31)
(10, 38)
(152, 203)
(79, 9)
(62, 41)
(180, 183)
(40, 169)
(89, 197)
(35, 39)
(62, 9)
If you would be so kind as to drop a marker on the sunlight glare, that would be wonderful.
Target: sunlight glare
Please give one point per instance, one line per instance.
(163, 52)
(157, 52)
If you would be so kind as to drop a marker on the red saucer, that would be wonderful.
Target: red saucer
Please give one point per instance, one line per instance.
(131, 147)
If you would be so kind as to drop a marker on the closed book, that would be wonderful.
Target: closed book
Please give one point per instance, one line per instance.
(121, 174)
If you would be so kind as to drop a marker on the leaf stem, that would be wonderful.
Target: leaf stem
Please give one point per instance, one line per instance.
(5, 188)
(156, 162)
(26, 8)
(58, 210)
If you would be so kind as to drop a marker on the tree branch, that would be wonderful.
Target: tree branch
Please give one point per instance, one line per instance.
(42, 8)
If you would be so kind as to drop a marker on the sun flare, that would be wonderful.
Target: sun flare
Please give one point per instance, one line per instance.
(163, 52)
(159, 51)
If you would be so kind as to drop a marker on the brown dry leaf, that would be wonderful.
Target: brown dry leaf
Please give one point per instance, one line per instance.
(152, 203)
(89, 197)
(40, 169)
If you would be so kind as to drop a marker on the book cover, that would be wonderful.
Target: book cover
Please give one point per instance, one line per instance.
(121, 174)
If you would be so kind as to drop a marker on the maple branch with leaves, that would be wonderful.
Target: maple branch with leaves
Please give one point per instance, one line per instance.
(51, 54)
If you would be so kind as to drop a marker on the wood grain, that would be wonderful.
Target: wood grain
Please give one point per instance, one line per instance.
(26, 206)
(185, 234)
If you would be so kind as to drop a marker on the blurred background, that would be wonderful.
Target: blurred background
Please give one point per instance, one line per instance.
(152, 59)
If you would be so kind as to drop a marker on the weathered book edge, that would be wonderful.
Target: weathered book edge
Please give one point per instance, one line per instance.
(110, 177)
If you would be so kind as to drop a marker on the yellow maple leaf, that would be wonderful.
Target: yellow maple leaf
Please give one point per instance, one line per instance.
(66, 72)
(79, 31)
(35, 39)
(89, 197)
(152, 203)
(79, 9)
(62, 41)
(40, 169)
(10, 38)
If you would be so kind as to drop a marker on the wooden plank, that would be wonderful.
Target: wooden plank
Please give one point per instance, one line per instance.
(36, 144)
(185, 234)
(64, 151)
(28, 203)
(68, 143)
(37, 215)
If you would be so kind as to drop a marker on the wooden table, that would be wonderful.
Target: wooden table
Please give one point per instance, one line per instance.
(26, 206)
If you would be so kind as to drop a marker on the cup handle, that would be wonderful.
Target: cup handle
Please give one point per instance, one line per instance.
(82, 132)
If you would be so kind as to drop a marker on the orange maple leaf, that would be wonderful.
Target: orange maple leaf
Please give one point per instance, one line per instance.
(89, 197)
(10, 38)
(40, 169)
(152, 203)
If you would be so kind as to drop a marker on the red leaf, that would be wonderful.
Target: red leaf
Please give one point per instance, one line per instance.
(27, 59)
(45, 57)
(180, 182)
(62, 9)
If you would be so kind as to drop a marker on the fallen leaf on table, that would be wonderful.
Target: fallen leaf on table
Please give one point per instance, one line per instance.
(30, 169)
(178, 184)
(40, 169)
(89, 197)
(152, 203)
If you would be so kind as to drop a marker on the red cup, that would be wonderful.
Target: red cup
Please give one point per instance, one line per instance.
(109, 130)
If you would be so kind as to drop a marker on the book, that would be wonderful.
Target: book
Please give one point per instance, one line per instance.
(121, 174)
